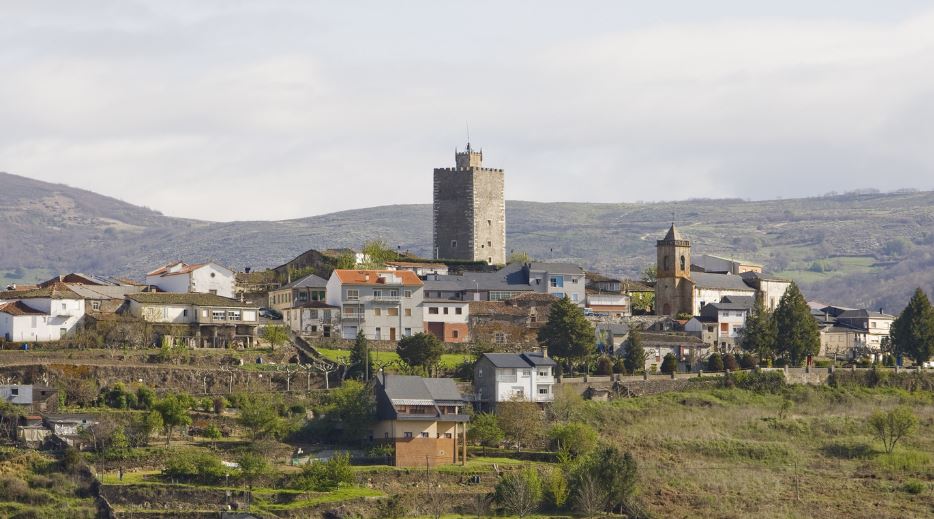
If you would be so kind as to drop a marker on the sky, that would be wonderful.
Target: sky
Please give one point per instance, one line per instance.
(257, 110)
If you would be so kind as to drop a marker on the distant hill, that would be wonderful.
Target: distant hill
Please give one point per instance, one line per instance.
(860, 249)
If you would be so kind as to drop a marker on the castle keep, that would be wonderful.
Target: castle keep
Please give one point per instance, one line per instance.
(469, 210)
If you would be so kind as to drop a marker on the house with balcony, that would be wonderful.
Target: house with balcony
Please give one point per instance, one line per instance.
(308, 289)
(314, 319)
(385, 304)
(197, 320)
(558, 279)
(721, 324)
(204, 278)
(503, 377)
(424, 419)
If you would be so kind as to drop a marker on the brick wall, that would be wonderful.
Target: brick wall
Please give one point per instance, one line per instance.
(412, 452)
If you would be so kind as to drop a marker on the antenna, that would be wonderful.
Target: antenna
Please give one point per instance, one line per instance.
(467, 123)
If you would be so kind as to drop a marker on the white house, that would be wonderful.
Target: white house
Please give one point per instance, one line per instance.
(384, 304)
(205, 278)
(447, 320)
(43, 314)
(501, 377)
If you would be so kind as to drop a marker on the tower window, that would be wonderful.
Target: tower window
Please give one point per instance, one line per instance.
(489, 222)
(453, 244)
(682, 262)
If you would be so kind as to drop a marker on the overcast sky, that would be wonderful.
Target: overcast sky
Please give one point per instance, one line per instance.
(268, 109)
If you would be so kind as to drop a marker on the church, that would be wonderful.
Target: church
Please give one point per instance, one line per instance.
(683, 287)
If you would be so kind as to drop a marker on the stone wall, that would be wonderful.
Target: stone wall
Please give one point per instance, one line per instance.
(415, 452)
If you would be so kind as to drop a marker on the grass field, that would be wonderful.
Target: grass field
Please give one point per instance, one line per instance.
(448, 360)
(726, 453)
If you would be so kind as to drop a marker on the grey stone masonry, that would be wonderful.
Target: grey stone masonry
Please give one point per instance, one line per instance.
(469, 213)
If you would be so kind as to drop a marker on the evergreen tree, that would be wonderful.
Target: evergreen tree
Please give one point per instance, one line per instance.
(715, 362)
(759, 334)
(797, 335)
(568, 335)
(361, 363)
(634, 357)
(420, 350)
(669, 364)
(913, 330)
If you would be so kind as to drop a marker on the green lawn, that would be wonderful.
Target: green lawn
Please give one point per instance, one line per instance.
(448, 360)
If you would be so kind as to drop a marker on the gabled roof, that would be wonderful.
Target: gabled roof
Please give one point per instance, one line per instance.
(187, 298)
(19, 308)
(104, 291)
(556, 268)
(720, 281)
(53, 291)
(186, 268)
(495, 308)
(761, 276)
(309, 281)
(406, 388)
(533, 297)
(518, 360)
(749, 301)
(372, 277)
(863, 314)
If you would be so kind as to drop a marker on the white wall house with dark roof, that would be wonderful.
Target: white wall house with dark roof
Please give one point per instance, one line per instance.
(205, 278)
(42, 314)
(502, 377)
(558, 279)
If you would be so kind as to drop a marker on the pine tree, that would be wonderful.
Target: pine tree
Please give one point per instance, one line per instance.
(634, 357)
(758, 336)
(913, 330)
(568, 335)
(361, 362)
(797, 335)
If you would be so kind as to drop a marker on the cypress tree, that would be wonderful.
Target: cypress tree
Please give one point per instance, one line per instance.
(634, 357)
(758, 336)
(361, 362)
(797, 335)
(913, 330)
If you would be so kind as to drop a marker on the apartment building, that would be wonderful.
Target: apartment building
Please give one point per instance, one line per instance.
(386, 305)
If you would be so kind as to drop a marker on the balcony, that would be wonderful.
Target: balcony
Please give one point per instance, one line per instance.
(354, 318)
(386, 299)
(512, 379)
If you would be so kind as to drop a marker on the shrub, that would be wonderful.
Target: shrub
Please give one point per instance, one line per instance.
(325, 476)
(669, 364)
(604, 366)
(619, 366)
(757, 381)
(729, 362)
(576, 438)
(913, 486)
(197, 467)
(520, 492)
(556, 488)
(891, 426)
(748, 361)
(714, 362)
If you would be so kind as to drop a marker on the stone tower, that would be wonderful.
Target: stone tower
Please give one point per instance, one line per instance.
(674, 290)
(469, 210)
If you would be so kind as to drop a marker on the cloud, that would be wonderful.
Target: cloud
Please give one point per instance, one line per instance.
(252, 110)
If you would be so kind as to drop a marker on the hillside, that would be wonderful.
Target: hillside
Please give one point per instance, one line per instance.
(858, 249)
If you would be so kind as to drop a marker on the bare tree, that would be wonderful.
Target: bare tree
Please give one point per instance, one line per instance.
(590, 498)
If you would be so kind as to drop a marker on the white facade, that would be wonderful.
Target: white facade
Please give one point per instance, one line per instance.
(49, 320)
(207, 278)
(532, 382)
(385, 305)
(450, 312)
(704, 296)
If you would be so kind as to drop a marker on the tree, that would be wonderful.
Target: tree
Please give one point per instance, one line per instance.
(173, 409)
(568, 403)
(119, 444)
(375, 255)
(421, 350)
(758, 336)
(913, 330)
(567, 334)
(556, 488)
(891, 426)
(520, 257)
(575, 438)
(519, 492)
(650, 274)
(253, 466)
(361, 364)
(669, 364)
(604, 366)
(520, 420)
(484, 430)
(590, 496)
(259, 413)
(617, 474)
(714, 362)
(634, 356)
(797, 335)
(348, 412)
(730, 363)
(326, 476)
(276, 335)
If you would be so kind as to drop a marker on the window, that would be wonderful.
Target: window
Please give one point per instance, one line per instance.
(544, 373)
(377, 312)
(489, 244)
(453, 244)
(407, 293)
(542, 390)
(559, 295)
(212, 291)
(379, 334)
(394, 312)
(185, 313)
(407, 332)
(682, 262)
(325, 314)
(424, 434)
(233, 315)
(407, 434)
(481, 246)
(303, 296)
(14, 390)
(533, 318)
(445, 310)
(489, 260)
(64, 307)
(408, 312)
(557, 281)
(213, 274)
(574, 280)
(433, 310)
(724, 327)
(499, 338)
(455, 333)
(312, 314)
(526, 373)
(458, 310)
(218, 315)
(385, 435)
(96, 305)
(377, 294)
(574, 297)
(353, 294)
(489, 223)
(448, 435)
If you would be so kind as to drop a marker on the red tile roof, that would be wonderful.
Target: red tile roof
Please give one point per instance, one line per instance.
(53, 291)
(18, 308)
(186, 268)
(372, 277)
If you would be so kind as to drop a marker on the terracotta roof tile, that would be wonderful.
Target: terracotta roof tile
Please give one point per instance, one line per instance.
(19, 308)
(372, 277)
